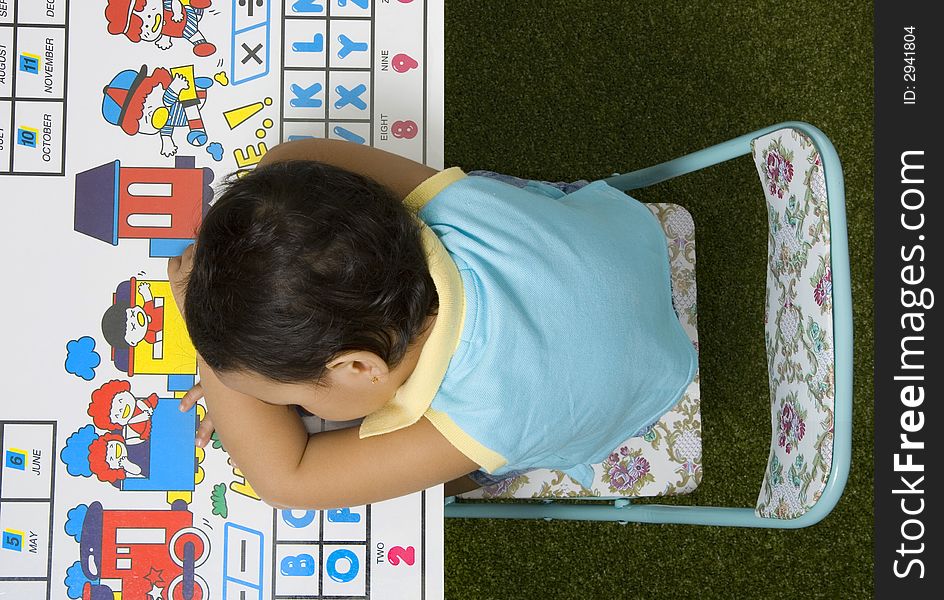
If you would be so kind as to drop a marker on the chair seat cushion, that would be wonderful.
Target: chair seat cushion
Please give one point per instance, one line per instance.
(666, 460)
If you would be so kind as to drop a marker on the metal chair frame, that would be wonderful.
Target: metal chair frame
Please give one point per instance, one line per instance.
(624, 510)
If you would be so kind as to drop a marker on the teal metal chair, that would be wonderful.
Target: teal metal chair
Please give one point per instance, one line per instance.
(808, 334)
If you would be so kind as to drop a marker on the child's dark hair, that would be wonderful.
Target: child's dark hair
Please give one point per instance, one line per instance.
(299, 262)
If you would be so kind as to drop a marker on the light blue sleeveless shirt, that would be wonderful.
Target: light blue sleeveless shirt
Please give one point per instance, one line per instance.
(569, 343)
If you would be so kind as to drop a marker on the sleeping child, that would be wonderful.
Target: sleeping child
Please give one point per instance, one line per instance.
(480, 325)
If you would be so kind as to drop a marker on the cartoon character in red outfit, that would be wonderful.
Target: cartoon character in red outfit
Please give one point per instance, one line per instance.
(160, 21)
(125, 325)
(110, 460)
(163, 102)
(115, 408)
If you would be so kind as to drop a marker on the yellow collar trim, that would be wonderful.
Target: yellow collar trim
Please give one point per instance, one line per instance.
(483, 456)
(425, 191)
(417, 392)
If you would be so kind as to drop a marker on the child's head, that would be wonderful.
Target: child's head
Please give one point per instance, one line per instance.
(299, 263)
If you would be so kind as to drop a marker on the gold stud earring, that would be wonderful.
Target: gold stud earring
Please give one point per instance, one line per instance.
(374, 379)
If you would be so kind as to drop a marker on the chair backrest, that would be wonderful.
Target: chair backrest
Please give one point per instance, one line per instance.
(800, 329)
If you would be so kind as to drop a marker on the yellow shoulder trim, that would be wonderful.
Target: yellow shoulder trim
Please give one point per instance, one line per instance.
(417, 392)
(425, 191)
(487, 458)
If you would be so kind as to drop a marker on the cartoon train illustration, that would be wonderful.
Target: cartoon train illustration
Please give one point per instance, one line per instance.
(162, 204)
(146, 331)
(142, 554)
(164, 460)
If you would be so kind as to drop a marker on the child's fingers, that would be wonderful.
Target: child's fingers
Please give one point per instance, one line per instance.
(204, 431)
(191, 397)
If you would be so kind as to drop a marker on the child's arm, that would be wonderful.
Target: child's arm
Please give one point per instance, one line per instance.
(401, 175)
(289, 468)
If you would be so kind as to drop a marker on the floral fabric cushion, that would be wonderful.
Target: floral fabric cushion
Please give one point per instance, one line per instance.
(666, 458)
(798, 324)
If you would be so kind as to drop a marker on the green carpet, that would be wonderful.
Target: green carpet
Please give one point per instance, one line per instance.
(581, 89)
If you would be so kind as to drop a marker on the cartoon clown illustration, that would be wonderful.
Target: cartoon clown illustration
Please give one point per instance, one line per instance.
(158, 103)
(110, 459)
(160, 21)
(125, 326)
(115, 408)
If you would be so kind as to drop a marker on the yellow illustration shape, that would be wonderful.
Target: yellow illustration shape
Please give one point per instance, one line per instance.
(267, 124)
(238, 116)
(177, 355)
(200, 452)
(221, 78)
(174, 496)
(241, 486)
(251, 155)
(159, 117)
(191, 92)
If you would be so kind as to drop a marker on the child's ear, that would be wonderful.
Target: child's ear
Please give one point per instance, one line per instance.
(359, 362)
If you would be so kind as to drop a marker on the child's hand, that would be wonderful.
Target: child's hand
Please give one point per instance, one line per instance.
(205, 430)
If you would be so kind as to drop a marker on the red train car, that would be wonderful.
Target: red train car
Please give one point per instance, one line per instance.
(143, 554)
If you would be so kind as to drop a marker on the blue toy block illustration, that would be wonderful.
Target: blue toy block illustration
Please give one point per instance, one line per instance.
(307, 6)
(343, 515)
(172, 459)
(348, 45)
(347, 134)
(298, 521)
(15, 459)
(29, 63)
(180, 383)
(352, 563)
(165, 460)
(243, 561)
(351, 96)
(315, 45)
(13, 540)
(300, 565)
(249, 46)
(167, 248)
(26, 136)
(304, 97)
